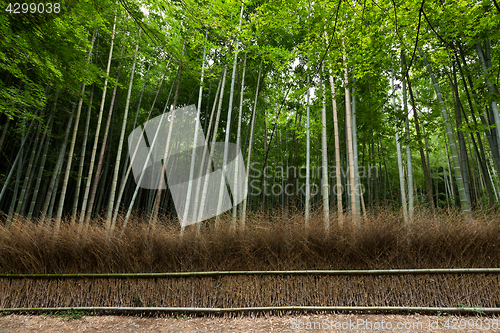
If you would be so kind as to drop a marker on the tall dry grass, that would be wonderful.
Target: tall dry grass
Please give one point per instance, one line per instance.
(269, 243)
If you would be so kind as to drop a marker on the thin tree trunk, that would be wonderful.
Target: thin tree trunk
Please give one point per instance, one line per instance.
(16, 186)
(252, 122)
(96, 139)
(452, 143)
(238, 137)
(132, 159)
(103, 185)
(491, 90)
(264, 179)
(402, 186)
(134, 196)
(461, 139)
(324, 150)
(193, 152)
(409, 165)
(128, 165)
(55, 174)
(482, 163)
(82, 156)
(228, 125)
(29, 175)
(446, 183)
(157, 200)
(11, 172)
(492, 143)
(142, 93)
(212, 148)
(494, 187)
(337, 154)
(308, 159)
(98, 173)
(36, 157)
(350, 150)
(449, 172)
(20, 163)
(4, 133)
(426, 170)
(120, 142)
(54, 194)
(355, 147)
(481, 156)
(72, 145)
(47, 135)
(205, 149)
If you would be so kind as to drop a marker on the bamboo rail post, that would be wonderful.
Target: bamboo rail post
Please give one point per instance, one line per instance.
(295, 272)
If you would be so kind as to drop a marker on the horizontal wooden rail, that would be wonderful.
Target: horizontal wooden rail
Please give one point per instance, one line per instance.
(298, 272)
(264, 308)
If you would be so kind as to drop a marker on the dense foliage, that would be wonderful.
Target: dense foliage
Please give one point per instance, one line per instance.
(110, 66)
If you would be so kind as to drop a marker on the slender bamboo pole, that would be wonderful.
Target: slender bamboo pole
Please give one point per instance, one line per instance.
(96, 139)
(120, 142)
(421, 149)
(11, 172)
(157, 199)
(491, 91)
(308, 158)
(324, 176)
(129, 163)
(82, 157)
(238, 138)
(73, 141)
(402, 186)
(494, 186)
(29, 174)
(186, 212)
(58, 167)
(264, 308)
(409, 165)
(98, 173)
(204, 155)
(337, 153)
(357, 186)
(446, 183)
(47, 135)
(349, 134)
(4, 133)
(417, 271)
(452, 143)
(228, 123)
(214, 137)
(244, 207)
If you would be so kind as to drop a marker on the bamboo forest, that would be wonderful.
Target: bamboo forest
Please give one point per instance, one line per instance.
(318, 135)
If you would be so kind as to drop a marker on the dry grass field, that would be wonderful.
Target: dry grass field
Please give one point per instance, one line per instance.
(381, 241)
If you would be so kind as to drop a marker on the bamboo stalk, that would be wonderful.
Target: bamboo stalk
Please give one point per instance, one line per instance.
(264, 308)
(324, 164)
(308, 158)
(464, 202)
(228, 127)
(296, 272)
(251, 125)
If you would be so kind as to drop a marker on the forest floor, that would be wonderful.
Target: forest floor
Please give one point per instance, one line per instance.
(295, 323)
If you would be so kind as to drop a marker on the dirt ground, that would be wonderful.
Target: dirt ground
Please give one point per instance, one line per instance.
(294, 323)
